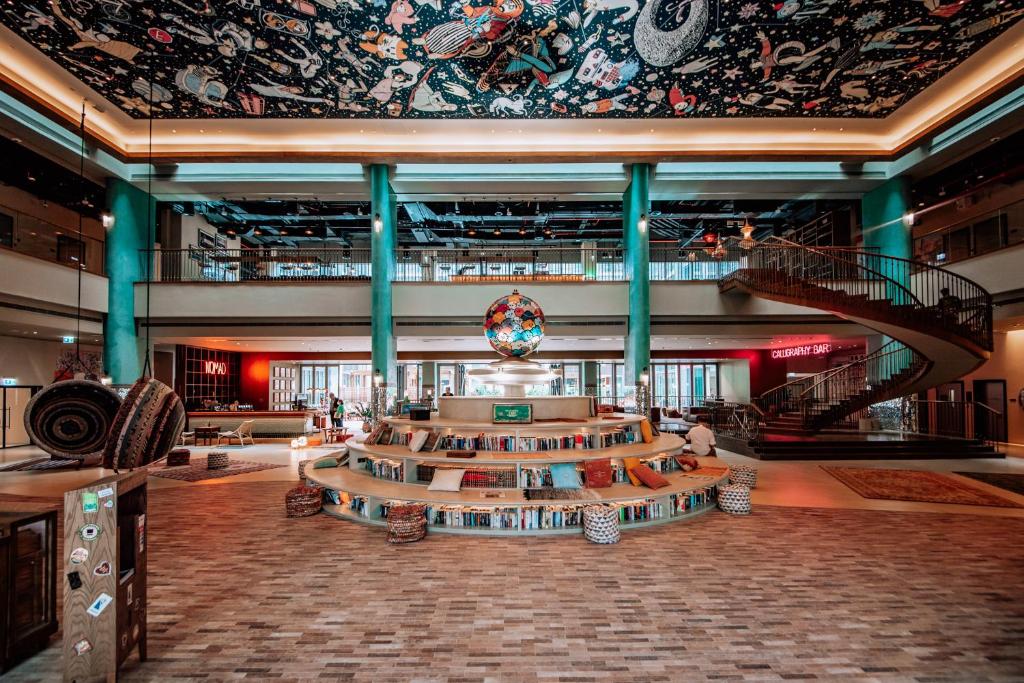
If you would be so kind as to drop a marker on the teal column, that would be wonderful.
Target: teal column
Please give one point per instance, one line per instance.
(885, 229)
(636, 205)
(383, 238)
(134, 213)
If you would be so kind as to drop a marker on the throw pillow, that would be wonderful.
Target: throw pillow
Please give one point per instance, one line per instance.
(446, 480)
(646, 432)
(687, 463)
(598, 473)
(649, 477)
(565, 476)
(417, 440)
(629, 464)
(325, 462)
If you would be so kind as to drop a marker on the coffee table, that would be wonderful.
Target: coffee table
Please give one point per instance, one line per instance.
(207, 434)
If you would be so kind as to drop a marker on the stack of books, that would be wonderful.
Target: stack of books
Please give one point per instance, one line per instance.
(383, 468)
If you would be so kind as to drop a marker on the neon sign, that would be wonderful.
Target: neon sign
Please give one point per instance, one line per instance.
(212, 367)
(799, 351)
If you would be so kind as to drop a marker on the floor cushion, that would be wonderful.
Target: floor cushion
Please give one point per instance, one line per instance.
(629, 464)
(598, 473)
(325, 462)
(565, 476)
(649, 477)
(446, 480)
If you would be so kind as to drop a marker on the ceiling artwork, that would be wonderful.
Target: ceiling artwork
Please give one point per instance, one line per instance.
(529, 59)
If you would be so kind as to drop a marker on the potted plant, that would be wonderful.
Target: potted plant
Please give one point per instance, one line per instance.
(362, 410)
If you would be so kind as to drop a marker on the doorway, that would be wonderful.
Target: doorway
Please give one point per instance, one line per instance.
(13, 402)
(990, 409)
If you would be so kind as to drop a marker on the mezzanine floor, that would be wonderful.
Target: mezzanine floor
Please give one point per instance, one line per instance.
(817, 584)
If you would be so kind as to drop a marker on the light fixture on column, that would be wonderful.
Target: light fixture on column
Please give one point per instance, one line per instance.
(908, 218)
(378, 378)
(378, 224)
(641, 224)
(747, 230)
(108, 220)
(645, 377)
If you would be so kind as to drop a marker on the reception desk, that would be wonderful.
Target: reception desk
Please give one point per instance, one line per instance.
(268, 424)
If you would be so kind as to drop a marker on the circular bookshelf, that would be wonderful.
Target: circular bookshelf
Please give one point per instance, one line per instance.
(506, 489)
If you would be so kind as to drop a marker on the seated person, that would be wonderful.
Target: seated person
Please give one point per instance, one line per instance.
(701, 438)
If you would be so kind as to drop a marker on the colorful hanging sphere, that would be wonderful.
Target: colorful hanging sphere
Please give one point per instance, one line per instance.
(514, 325)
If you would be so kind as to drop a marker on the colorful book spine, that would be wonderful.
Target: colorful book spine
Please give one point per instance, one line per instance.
(683, 503)
(383, 468)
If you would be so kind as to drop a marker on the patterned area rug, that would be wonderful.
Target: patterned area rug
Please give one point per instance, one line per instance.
(1004, 480)
(196, 470)
(44, 464)
(913, 485)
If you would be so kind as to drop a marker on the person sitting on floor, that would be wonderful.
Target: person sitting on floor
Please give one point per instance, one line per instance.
(701, 438)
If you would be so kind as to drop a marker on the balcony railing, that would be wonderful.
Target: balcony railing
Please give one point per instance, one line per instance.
(41, 239)
(540, 263)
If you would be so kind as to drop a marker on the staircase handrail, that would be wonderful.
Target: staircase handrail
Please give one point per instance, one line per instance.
(874, 357)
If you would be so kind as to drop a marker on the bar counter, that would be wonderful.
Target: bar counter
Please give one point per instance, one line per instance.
(268, 423)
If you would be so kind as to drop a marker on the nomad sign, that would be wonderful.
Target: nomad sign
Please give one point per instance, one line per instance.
(805, 350)
(212, 367)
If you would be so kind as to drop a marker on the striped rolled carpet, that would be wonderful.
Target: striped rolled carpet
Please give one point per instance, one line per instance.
(147, 426)
(70, 420)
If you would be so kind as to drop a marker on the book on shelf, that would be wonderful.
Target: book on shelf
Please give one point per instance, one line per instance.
(682, 503)
(385, 468)
(640, 511)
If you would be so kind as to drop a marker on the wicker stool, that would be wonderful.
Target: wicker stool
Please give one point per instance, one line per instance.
(303, 501)
(734, 499)
(217, 460)
(178, 457)
(743, 474)
(601, 524)
(302, 470)
(406, 523)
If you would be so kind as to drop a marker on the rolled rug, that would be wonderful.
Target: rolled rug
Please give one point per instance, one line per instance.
(147, 426)
(70, 420)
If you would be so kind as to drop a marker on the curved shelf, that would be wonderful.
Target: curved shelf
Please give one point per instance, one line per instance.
(664, 443)
(361, 484)
(435, 422)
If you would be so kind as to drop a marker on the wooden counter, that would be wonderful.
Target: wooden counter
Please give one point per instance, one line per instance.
(268, 423)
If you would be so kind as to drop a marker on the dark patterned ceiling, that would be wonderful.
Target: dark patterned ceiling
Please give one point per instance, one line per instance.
(533, 59)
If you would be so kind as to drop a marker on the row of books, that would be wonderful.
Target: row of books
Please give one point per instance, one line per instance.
(535, 477)
(475, 478)
(383, 468)
(504, 442)
(682, 503)
(640, 511)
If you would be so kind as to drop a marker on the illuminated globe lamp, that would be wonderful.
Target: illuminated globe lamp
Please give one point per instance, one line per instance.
(514, 327)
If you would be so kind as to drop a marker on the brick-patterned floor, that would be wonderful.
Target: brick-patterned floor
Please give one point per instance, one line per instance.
(239, 592)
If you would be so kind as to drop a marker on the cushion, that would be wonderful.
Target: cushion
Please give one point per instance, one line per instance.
(599, 473)
(687, 463)
(629, 464)
(418, 438)
(672, 412)
(325, 462)
(565, 476)
(646, 432)
(446, 480)
(649, 477)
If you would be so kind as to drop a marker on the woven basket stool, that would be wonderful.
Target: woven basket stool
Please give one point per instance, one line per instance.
(178, 457)
(601, 524)
(217, 460)
(303, 501)
(302, 471)
(743, 474)
(406, 523)
(734, 499)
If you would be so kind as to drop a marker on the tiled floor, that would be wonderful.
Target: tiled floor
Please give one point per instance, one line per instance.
(816, 584)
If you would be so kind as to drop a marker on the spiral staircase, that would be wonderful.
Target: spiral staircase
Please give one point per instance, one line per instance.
(939, 326)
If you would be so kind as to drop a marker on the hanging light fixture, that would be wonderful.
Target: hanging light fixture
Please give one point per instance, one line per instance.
(718, 252)
(471, 232)
(641, 224)
(747, 230)
(378, 224)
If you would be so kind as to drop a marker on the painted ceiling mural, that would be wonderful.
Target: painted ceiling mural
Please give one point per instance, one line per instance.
(535, 59)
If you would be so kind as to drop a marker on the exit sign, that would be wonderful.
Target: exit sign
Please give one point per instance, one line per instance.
(10, 381)
(68, 340)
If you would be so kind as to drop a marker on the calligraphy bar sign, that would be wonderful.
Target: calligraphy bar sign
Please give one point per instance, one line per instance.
(806, 350)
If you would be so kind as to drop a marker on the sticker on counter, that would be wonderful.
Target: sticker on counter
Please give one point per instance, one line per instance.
(89, 532)
(82, 646)
(99, 604)
(105, 493)
(74, 580)
(108, 503)
(79, 555)
(102, 569)
(135, 631)
(90, 502)
(124, 639)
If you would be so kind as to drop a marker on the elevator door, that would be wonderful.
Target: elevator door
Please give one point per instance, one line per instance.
(990, 423)
(14, 401)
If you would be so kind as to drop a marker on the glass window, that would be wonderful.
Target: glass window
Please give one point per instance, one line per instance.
(988, 235)
(660, 397)
(958, 244)
(70, 250)
(1015, 223)
(672, 386)
(711, 380)
(620, 384)
(446, 379)
(606, 383)
(572, 379)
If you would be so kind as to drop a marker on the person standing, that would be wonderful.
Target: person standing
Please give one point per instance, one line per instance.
(334, 408)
